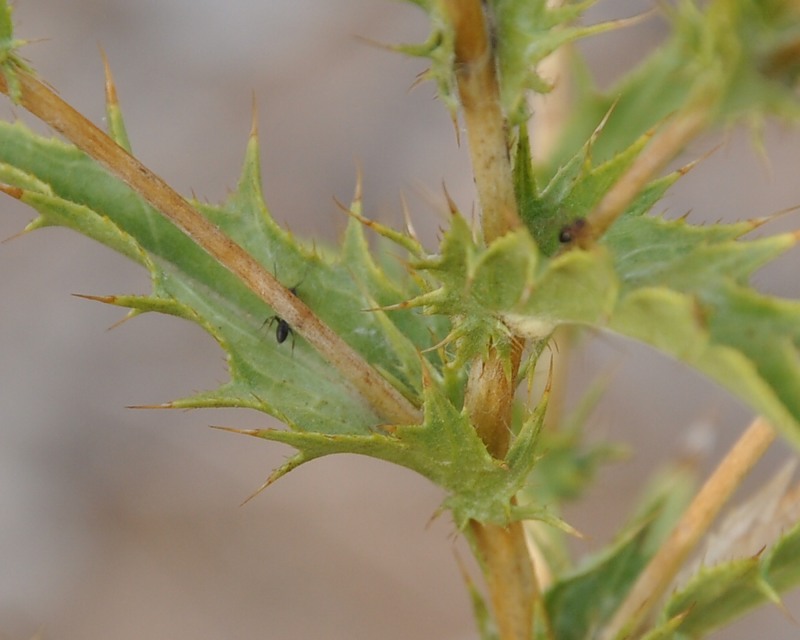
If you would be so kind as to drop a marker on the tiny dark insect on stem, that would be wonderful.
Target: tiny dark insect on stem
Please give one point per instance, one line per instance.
(573, 231)
(283, 329)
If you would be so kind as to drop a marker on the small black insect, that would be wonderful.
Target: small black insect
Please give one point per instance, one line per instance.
(283, 329)
(571, 231)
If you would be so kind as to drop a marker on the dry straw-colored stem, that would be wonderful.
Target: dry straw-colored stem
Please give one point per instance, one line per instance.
(665, 145)
(502, 551)
(479, 95)
(44, 103)
(696, 520)
(504, 555)
(509, 576)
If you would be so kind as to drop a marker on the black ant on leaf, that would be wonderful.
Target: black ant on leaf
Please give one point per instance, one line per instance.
(283, 329)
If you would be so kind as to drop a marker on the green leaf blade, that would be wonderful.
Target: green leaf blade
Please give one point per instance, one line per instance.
(286, 381)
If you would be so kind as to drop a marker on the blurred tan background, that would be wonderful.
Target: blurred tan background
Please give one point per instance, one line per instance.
(123, 524)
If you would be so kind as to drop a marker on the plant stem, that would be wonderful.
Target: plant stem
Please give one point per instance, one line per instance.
(44, 103)
(502, 551)
(509, 576)
(659, 573)
(483, 116)
(489, 398)
(664, 146)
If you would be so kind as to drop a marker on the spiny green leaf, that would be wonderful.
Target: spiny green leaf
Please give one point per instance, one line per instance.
(78, 217)
(523, 32)
(714, 597)
(526, 32)
(576, 188)
(725, 589)
(446, 449)
(578, 603)
(526, 190)
(580, 285)
(439, 49)
(668, 630)
(401, 328)
(475, 283)
(739, 53)
(291, 382)
(682, 289)
(116, 123)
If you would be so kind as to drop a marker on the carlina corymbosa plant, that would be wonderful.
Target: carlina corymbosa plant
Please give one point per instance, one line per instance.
(445, 364)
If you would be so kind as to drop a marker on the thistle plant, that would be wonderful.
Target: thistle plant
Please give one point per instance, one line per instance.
(443, 361)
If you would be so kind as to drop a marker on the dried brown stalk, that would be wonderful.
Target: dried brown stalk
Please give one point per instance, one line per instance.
(483, 116)
(665, 145)
(696, 520)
